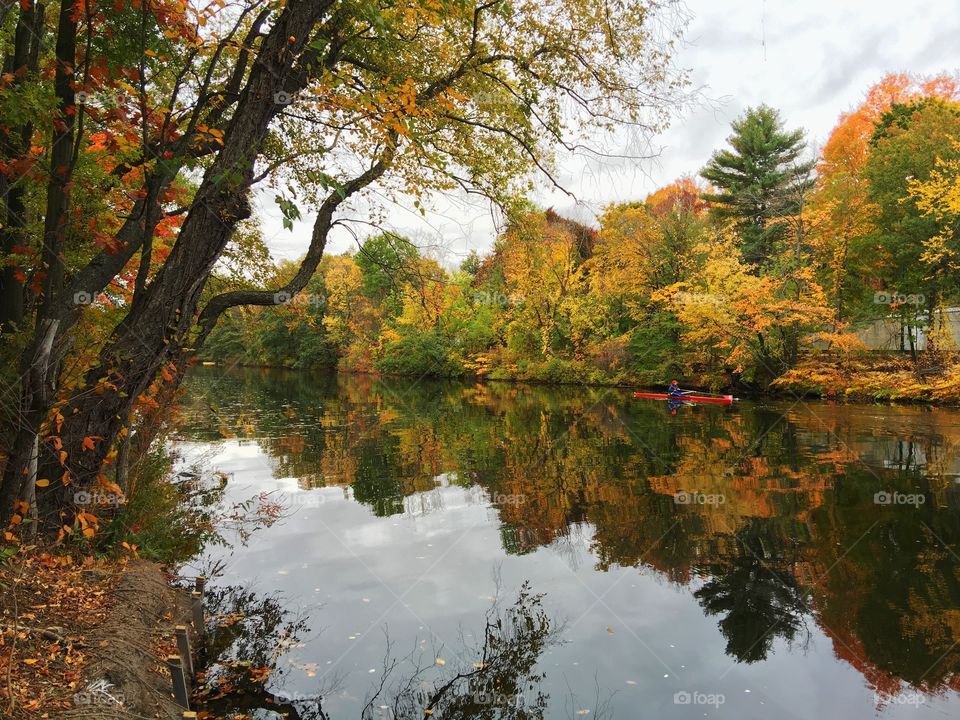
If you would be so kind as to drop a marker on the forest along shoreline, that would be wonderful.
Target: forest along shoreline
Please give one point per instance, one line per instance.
(838, 280)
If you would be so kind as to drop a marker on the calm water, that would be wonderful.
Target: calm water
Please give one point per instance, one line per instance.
(721, 562)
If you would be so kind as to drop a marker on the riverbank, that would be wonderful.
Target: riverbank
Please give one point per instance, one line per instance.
(933, 380)
(87, 639)
(865, 377)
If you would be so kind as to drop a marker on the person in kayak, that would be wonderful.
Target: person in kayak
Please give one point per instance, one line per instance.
(674, 390)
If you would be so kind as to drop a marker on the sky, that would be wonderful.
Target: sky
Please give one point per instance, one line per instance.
(812, 60)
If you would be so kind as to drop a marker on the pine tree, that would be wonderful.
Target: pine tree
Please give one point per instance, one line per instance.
(759, 180)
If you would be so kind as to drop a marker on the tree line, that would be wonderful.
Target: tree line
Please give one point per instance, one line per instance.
(757, 272)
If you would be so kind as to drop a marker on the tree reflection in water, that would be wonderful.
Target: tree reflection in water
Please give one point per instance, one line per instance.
(800, 537)
(758, 597)
(249, 634)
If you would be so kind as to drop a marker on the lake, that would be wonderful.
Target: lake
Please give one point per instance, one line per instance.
(564, 552)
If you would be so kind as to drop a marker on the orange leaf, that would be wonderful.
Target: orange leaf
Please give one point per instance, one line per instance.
(43, 482)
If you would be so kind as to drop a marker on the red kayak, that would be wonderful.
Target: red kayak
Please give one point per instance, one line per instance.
(722, 399)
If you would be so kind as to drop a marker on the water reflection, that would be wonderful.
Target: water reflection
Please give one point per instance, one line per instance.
(779, 519)
(757, 598)
(249, 633)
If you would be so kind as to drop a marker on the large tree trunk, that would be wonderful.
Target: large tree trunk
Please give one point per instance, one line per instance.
(165, 312)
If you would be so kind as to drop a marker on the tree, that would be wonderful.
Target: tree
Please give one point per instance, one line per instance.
(543, 273)
(756, 180)
(386, 260)
(332, 96)
(735, 323)
(909, 141)
(849, 269)
(939, 196)
(644, 247)
(758, 598)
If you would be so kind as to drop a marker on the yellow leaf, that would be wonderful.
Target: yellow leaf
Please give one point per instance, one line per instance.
(42, 482)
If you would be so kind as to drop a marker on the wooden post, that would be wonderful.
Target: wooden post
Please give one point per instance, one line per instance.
(181, 690)
(199, 583)
(183, 645)
(196, 607)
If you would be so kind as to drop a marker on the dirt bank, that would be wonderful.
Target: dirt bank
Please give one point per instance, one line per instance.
(87, 640)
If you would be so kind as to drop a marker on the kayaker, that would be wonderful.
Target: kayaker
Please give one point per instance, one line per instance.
(674, 389)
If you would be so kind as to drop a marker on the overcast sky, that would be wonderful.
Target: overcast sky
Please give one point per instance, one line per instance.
(811, 59)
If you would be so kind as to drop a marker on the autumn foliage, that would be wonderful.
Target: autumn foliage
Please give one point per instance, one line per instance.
(664, 286)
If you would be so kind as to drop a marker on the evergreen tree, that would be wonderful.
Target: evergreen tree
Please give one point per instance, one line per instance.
(759, 180)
